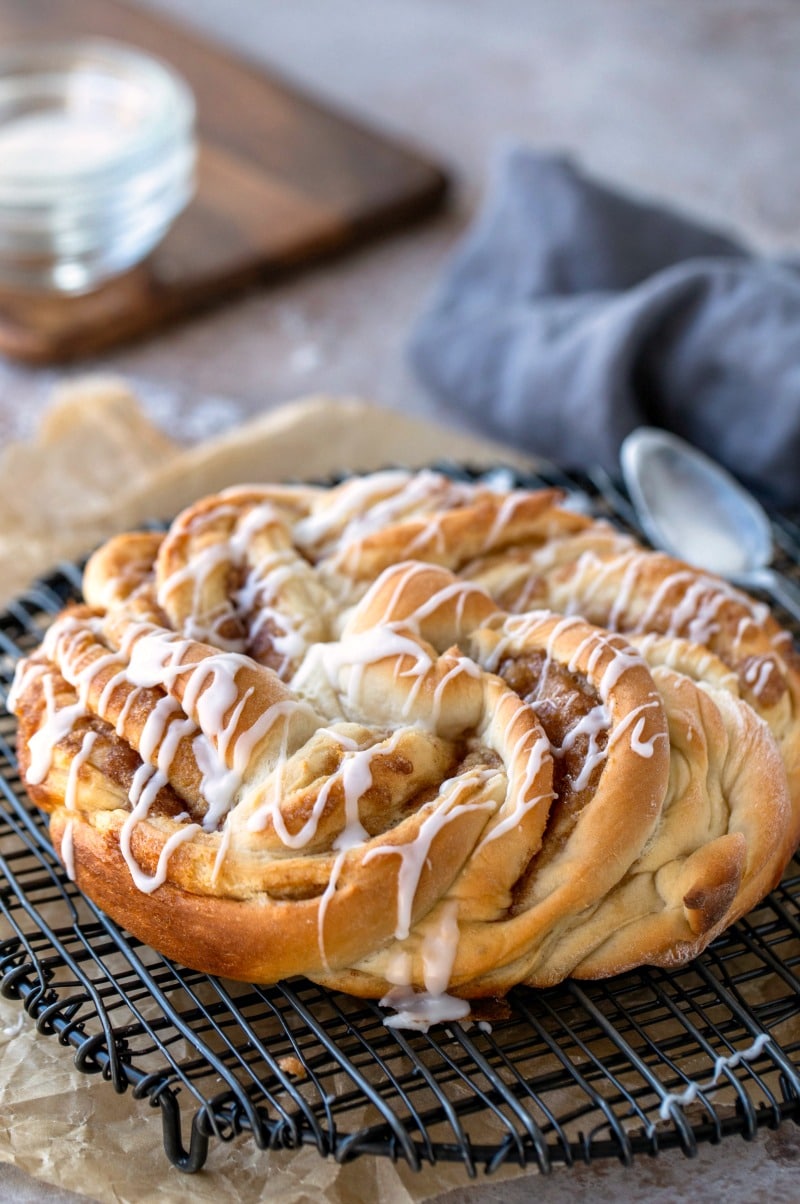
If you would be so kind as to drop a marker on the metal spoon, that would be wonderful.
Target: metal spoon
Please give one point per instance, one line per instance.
(690, 507)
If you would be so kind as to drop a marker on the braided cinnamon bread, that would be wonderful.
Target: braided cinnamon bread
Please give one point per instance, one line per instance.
(413, 738)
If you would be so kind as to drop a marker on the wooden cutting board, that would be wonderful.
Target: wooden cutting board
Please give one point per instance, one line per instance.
(283, 180)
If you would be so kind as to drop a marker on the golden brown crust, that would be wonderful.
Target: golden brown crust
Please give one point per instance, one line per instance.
(613, 582)
(410, 731)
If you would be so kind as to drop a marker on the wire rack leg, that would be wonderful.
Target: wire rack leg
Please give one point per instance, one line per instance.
(189, 1161)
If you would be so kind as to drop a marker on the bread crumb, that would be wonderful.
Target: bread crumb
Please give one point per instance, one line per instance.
(292, 1065)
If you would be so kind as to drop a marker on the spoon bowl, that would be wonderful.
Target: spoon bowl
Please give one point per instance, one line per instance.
(692, 508)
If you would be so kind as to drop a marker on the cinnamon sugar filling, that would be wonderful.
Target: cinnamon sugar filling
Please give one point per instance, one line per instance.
(561, 699)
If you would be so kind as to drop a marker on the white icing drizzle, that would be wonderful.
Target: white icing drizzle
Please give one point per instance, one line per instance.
(289, 640)
(439, 948)
(197, 624)
(259, 595)
(125, 709)
(270, 568)
(700, 597)
(162, 730)
(253, 522)
(67, 842)
(210, 691)
(248, 741)
(154, 731)
(535, 757)
(355, 775)
(68, 849)
(519, 629)
(324, 902)
(461, 665)
(414, 854)
(635, 718)
(460, 590)
(146, 784)
(24, 670)
(644, 748)
(219, 785)
(376, 501)
(698, 617)
(626, 591)
(350, 657)
(68, 629)
(106, 694)
(430, 537)
(593, 724)
(758, 674)
(167, 849)
(721, 1064)
(364, 495)
(222, 851)
(418, 1010)
(58, 723)
(505, 513)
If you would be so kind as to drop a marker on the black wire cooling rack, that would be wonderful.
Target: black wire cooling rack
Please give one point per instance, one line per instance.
(574, 1073)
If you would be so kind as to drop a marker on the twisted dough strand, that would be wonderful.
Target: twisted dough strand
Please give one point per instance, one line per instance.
(331, 836)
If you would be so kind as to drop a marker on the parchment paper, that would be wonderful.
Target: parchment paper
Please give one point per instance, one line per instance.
(73, 1131)
(99, 466)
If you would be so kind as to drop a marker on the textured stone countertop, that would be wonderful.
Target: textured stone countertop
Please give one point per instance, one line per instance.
(696, 102)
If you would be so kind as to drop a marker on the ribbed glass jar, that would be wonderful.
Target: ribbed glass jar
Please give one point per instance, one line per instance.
(97, 158)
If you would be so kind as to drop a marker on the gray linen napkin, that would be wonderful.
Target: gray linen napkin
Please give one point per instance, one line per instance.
(572, 313)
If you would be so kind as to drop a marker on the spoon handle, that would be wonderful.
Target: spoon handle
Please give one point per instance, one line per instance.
(782, 589)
